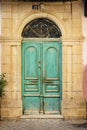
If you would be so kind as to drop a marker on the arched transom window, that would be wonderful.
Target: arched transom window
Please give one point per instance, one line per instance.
(41, 28)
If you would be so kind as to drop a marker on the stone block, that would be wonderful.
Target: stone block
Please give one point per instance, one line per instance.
(77, 68)
(76, 23)
(67, 7)
(73, 103)
(11, 113)
(6, 68)
(11, 103)
(7, 15)
(77, 77)
(6, 7)
(74, 113)
(67, 15)
(76, 32)
(75, 95)
(59, 8)
(77, 59)
(64, 61)
(77, 87)
(64, 77)
(77, 49)
(76, 7)
(6, 51)
(64, 50)
(6, 60)
(67, 87)
(16, 95)
(7, 32)
(6, 23)
(7, 94)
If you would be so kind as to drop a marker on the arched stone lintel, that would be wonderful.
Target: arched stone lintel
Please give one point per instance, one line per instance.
(26, 20)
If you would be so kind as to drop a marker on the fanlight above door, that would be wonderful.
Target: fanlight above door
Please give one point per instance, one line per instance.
(41, 28)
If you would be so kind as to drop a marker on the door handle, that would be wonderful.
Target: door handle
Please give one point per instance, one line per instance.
(39, 64)
(47, 81)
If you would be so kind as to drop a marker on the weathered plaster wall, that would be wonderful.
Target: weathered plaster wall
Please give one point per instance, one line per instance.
(15, 15)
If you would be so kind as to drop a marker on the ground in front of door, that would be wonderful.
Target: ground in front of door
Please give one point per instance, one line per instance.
(43, 124)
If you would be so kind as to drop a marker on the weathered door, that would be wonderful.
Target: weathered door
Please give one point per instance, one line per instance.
(41, 77)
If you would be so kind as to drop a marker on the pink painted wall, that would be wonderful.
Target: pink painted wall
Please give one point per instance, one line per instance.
(85, 82)
(84, 29)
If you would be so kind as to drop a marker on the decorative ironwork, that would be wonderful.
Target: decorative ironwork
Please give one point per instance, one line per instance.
(41, 28)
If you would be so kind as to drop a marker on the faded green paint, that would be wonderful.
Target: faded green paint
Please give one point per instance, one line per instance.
(41, 77)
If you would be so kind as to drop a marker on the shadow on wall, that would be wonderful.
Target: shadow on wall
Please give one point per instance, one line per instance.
(85, 82)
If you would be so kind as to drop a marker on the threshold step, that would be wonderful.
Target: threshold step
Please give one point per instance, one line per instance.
(42, 117)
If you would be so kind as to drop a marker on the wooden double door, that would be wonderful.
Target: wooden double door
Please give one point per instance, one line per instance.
(41, 77)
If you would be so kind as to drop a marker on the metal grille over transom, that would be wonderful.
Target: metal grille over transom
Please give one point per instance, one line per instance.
(41, 28)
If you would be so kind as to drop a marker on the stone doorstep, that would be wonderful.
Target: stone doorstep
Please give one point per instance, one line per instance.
(42, 117)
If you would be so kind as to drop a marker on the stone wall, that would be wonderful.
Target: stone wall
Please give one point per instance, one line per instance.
(15, 15)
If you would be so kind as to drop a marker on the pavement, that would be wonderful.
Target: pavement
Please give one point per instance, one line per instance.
(43, 124)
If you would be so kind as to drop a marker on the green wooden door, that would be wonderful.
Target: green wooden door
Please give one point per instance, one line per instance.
(41, 77)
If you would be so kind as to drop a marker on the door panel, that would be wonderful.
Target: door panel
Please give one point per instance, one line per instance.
(51, 62)
(51, 75)
(31, 76)
(51, 105)
(41, 77)
(30, 62)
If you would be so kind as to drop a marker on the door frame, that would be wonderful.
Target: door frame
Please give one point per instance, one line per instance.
(42, 40)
